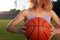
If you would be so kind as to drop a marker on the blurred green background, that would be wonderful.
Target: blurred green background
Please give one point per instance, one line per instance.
(5, 35)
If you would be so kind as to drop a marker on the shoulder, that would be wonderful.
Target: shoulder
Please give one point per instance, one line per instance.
(24, 12)
(52, 12)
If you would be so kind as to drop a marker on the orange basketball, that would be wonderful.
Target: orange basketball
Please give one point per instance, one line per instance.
(38, 29)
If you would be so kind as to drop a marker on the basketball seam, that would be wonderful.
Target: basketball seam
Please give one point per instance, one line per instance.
(43, 29)
(38, 30)
(32, 30)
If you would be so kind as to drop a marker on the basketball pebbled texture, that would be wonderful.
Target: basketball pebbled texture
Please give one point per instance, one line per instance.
(38, 29)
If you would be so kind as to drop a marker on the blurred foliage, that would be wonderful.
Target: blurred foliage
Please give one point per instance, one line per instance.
(9, 14)
(56, 37)
(14, 11)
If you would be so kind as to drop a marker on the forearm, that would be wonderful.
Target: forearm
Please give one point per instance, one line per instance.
(58, 24)
(13, 29)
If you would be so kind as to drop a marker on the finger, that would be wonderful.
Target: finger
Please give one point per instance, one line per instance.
(51, 30)
(24, 28)
(23, 31)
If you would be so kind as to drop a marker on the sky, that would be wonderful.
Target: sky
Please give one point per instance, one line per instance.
(22, 4)
(6, 5)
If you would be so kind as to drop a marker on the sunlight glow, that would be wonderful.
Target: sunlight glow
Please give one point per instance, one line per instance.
(6, 5)
(22, 4)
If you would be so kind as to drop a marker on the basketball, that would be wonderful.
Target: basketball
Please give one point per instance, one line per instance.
(37, 29)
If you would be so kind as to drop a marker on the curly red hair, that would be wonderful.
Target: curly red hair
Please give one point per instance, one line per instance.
(45, 4)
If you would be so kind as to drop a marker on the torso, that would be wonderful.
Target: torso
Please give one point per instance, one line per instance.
(42, 14)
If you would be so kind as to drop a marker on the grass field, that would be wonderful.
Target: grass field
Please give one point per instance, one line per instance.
(5, 35)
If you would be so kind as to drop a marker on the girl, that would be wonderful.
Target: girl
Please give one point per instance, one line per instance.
(38, 8)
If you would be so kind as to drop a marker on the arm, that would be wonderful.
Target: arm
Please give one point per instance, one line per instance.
(55, 18)
(12, 25)
(57, 21)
